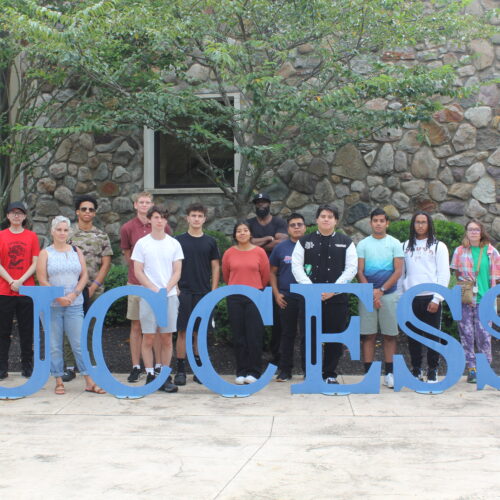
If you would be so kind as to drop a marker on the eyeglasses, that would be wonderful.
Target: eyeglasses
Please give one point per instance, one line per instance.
(473, 230)
(296, 224)
(87, 209)
(17, 214)
(421, 223)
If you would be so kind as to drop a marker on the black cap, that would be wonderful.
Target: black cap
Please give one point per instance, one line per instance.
(16, 204)
(261, 196)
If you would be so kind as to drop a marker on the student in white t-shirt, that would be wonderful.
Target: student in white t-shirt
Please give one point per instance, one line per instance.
(157, 261)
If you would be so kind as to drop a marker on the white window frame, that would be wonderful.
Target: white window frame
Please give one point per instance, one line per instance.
(149, 160)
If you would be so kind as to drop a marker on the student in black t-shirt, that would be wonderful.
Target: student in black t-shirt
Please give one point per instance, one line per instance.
(200, 275)
(267, 232)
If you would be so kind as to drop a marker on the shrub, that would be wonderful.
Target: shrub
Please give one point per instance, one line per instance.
(116, 277)
(223, 242)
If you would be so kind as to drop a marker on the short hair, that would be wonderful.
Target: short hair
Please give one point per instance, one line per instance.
(156, 209)
(378, 211)
(85, 197)
(295, 215)
(241, 223)
(142, 194)
(58, 220)
(330, 208)
(485, 237)
(196, 207)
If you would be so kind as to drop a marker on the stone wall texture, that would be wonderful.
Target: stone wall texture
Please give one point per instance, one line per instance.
(449, 166)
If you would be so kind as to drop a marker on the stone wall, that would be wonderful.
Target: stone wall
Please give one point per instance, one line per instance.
(449, 166)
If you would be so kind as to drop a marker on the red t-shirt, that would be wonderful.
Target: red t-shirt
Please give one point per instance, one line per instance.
(249, 267)
(130, 233)
(16, 255)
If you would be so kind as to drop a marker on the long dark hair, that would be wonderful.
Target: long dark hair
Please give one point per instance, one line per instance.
(431, 238)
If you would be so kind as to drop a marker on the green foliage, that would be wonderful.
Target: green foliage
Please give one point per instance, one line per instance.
(223, 242)
(450, 233)
(116, 277)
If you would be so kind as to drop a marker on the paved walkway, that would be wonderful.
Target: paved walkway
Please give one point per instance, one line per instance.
(272, 445)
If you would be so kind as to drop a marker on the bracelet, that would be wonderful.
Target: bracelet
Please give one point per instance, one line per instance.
(96, 282)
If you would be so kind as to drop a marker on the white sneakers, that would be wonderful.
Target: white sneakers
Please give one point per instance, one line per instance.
(389, 380)
(241, 380)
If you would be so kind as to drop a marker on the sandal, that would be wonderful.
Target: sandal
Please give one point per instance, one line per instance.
(95, 389)
(60, 389)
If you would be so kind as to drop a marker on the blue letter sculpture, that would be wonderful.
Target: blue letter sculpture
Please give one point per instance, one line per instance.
(452, 350)
(100, 372)
(487, 306)
(203, 310)
(313, 383)
(42, 298)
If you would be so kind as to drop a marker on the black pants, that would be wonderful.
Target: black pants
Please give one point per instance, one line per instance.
(248, 332)
(22, 307)
(276, 332)
(420, 310)
(292, 320)
(335, 319)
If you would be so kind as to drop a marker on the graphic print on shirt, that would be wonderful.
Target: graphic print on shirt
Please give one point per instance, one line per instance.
(17, 255)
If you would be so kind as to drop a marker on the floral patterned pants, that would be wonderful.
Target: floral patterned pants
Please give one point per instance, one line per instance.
(471, 331)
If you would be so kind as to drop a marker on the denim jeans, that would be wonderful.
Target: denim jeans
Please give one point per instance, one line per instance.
(69, 321)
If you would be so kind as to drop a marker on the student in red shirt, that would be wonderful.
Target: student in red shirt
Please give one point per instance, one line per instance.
(245, 264)
(19, 249)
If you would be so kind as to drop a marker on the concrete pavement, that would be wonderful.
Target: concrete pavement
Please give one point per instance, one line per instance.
(272, 445)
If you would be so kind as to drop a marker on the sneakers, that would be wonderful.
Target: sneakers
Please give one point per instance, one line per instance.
(331, 380)
(471, 376)
(168, 386)
(389, 380)
(283, 377)
(150, 377)
(418, 374)
(157, 370)
(432, 377)
(196, 379)
(250, 379)
(27, 370)
(3, 374)
(68, 375)
(239, 380)
(180, 378)
(135, 375)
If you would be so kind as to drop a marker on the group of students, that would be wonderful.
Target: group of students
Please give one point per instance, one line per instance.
(267, 250)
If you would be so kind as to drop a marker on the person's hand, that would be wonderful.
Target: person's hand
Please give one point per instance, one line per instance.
(92, 288)
(326, 296)
(432, 307)
(15, 285)
(377, 304)
(377, 294)
(66, 300)
(280, 300)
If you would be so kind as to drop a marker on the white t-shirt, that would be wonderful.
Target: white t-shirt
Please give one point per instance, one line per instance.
(158, 257)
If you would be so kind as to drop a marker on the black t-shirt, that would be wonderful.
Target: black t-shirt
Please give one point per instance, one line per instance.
(277, 225)
(196, 266)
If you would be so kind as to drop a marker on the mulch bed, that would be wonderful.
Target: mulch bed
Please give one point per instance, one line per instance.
(117, 354)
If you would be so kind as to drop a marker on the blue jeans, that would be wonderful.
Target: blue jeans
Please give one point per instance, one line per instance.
(69, 321)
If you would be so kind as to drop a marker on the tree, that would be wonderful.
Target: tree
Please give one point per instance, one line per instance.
(304, 69)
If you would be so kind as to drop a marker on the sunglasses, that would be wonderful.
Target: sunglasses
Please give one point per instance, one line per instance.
(296, 224)
(87, 209)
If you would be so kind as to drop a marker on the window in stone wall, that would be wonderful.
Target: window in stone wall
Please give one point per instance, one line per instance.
(170, 167)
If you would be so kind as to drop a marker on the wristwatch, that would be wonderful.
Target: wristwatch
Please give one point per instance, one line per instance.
(382, 289)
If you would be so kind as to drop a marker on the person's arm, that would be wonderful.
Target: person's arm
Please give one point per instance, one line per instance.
(225, 267)
(351, 265)
(262, 242)
(101, 275)
(298, 265)
(142, 278)
(82, 282)
(127, 254)
(14, 286)
(393, 278)
(41, 269)
(442, 270)
(6, 276)
(273, 281)
(276, 240)
(361, 271)
(215, 265)
(176, 274)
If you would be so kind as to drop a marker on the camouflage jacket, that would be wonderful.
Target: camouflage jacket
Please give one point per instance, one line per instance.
(94, 244)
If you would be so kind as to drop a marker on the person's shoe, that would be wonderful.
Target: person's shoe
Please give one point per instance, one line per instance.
(150, 377)
(250, 379)
(135, 375)
(3, 374)
(196, 379)
(157, 370)
(180, 378)
(27, 370)
(389, 380)
(68, 375)
(168, 386)
(432, 376)
(418, 374)
(331, 380)
(471, 376)
(239, 380)
(283, 377)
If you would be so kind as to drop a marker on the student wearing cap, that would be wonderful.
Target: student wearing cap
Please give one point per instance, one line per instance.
(19, 249)
(267, 232)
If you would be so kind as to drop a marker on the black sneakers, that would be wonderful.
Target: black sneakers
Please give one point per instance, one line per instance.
(27, 370)
(180, 378)
(196, 379)
(135, 375)
(283, 377)
(150, 377)
(168, 386)
(3, 374)
(68, 375)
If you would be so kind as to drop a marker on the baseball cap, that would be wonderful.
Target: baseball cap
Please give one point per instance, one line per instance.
(16, 204)
(261, 196)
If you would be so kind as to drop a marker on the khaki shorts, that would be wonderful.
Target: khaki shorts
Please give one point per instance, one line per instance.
(133, 306)
(381, 320)
(148, 318)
